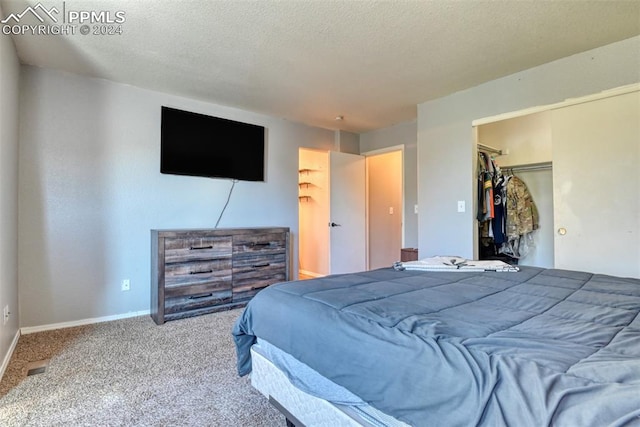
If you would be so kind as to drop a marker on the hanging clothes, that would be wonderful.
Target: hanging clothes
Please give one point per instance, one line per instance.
(499, 209)
(486, 174)
(521, 219)
(506, 213)
(482, 204)
(522, 215)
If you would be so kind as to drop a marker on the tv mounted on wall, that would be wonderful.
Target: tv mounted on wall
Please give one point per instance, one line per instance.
(200, 145)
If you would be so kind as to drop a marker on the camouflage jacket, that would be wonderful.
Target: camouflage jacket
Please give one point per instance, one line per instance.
(521, 212)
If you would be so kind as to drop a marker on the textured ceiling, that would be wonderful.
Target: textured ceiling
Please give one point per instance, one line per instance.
(310, 61)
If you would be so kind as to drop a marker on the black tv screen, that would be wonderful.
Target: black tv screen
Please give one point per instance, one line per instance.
(200, 145)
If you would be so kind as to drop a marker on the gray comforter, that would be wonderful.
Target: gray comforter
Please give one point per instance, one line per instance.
(532, 348)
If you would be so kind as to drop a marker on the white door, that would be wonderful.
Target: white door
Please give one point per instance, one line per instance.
(347, 238)
(596, 180)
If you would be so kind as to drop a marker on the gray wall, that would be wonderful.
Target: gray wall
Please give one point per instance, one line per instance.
(347, 142)
(445, 141)
(9, 83)
(91, 189)
(406, 134)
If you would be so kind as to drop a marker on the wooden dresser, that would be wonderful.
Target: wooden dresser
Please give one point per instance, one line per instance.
(195, 272)
(408, 254)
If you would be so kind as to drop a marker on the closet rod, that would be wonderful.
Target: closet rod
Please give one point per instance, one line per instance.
(486, 148)
(528, 167)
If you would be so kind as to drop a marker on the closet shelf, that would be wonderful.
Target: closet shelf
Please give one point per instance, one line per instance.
(489, 149)
(304, 198)
(304, 184)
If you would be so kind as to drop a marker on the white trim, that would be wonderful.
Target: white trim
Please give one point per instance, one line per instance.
(366, 213)
(7, 357)
(33, 329)
(310, 273)
(566, 103)
(399, 147)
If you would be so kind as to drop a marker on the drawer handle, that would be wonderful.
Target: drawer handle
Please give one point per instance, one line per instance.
(260, 244)
(201, 296)
(198, 248)
(266, 264)
(201, 272)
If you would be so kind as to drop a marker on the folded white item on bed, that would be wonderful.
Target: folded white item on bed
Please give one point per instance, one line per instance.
(455, 263)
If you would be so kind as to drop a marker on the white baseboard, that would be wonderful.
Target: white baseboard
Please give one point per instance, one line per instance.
(7, 357)
(32, 329)
(310, 273)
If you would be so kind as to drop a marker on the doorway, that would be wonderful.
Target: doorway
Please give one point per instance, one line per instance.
(373, 209)
(385, 206)
(332, 213)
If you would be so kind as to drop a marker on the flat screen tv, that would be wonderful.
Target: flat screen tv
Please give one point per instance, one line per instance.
(200, 145)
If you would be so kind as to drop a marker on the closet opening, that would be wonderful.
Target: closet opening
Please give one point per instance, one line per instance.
(514, 191)
(587, 217)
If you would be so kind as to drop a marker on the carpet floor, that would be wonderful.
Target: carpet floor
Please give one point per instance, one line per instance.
(132, 372)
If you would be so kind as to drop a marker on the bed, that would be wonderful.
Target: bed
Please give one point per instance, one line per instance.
(535, 347)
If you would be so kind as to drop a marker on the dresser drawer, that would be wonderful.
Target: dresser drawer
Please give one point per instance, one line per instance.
(253, 244)
(250, 274)
(182, 304)
(182, 249)
(197, 272)
(187, 279)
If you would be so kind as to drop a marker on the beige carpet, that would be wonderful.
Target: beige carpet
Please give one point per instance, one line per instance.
(132, 372)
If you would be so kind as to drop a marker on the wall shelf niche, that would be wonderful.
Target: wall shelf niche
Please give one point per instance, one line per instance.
(305, 185)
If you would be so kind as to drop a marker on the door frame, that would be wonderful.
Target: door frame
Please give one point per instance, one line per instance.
(371, 153)
(562, 104)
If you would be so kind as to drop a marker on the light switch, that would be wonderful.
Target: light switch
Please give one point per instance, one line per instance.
(390, 210)
(461, 207)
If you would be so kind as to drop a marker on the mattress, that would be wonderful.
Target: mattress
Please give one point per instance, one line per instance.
(529, 348)
(312, 404)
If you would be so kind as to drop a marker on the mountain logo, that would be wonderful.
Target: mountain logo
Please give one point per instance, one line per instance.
(36, 11)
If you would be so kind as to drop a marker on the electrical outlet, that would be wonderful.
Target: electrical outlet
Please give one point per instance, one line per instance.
(5, 315)
(126, 285)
